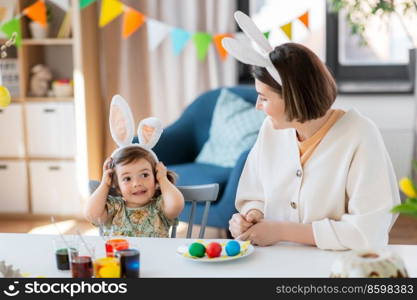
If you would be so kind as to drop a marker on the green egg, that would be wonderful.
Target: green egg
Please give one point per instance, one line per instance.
(197, 249)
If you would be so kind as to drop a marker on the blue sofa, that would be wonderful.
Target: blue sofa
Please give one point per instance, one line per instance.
(182, 141)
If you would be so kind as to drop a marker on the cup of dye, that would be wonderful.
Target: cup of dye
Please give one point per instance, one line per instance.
(129, 262)
(107, 267)
(114, 244)
(61, 252)
(81, 261)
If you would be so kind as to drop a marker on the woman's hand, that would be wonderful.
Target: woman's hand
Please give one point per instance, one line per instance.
(161, 171)
(107, 172)
(238, 225)
(263, 233)
(254, 216)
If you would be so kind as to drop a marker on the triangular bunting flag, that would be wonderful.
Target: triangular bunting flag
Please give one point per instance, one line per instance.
(305, 19)
(202, 42)
(85, 3)
(218, 42)
(132, 20)
(179, 39)
(13, 26)
(266, 34)
(110, 9)
(287, 28)
(64, 4)
(157, 31)
(37, 12)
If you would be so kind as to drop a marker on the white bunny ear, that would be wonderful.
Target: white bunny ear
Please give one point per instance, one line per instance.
(253, 32)
(244, 52)
(122, 124)
(149, 132)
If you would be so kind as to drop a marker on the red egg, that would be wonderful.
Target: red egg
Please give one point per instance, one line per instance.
(213, 250)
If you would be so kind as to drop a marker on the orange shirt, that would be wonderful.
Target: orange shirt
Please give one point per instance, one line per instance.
(308, 146)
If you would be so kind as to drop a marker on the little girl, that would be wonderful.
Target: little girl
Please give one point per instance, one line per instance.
(148, 203)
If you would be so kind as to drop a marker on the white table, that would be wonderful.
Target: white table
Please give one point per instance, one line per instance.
(34, 254)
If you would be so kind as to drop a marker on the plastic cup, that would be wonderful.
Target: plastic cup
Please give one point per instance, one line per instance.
(61, 252)
(107, 267)
(129, 263)
(81, 261)
(114, 244)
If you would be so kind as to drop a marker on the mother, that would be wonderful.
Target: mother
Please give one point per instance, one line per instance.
(316, 175)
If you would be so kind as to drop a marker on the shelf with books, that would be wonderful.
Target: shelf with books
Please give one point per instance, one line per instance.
(43, 130)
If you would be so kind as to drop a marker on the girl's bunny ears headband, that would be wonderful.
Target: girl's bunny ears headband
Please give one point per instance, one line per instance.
(122, 127)
(255, 53)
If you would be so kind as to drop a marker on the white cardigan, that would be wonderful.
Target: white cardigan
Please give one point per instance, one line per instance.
(345, 190)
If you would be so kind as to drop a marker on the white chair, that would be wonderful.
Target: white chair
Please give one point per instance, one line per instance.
(198, 194)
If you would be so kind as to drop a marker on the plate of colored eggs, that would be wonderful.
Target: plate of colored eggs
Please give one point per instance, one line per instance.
(215, 251)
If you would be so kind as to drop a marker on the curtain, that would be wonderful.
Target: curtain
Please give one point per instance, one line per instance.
(175, 81)
(159, 83)
(124, 69)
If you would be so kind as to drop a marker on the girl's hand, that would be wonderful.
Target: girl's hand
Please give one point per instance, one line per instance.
(263, 233)
(161, 171)
(238, 225)
(107, 172)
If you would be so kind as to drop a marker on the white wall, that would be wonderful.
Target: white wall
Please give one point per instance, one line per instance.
(395, 117)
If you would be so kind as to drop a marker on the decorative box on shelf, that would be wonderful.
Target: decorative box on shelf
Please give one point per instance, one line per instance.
(9, 70)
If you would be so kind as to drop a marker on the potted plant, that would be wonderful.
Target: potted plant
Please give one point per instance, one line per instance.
(359, 13)
(37, 30)
(409, 206)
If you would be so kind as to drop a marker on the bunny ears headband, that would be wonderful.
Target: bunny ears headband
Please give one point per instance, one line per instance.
(255, 53)
(122, 127)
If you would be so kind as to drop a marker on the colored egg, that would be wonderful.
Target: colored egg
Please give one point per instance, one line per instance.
(197, 250)
(213, 250)
(232, 248)
(4, 96)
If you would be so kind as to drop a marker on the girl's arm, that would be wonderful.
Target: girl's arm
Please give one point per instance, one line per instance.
(173, 200)
(95, 209)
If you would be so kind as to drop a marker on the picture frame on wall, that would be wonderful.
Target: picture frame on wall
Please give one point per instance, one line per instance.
(7, 11)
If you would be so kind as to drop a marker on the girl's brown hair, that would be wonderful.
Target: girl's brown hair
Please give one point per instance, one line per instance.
(132, 154)
(308, 88)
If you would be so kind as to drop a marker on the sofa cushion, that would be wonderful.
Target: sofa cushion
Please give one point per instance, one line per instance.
(234, 129)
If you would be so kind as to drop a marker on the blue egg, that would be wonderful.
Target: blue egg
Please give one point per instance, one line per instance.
(232, 248)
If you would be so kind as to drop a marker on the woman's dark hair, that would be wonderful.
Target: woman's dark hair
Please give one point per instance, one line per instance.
(132, 154)
(308, 88)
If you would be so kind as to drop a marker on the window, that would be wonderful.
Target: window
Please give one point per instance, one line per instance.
(380, 67)
(383, 66)
(270, 15)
